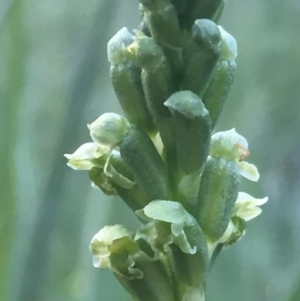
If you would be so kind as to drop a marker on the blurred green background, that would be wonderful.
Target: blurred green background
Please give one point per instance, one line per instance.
(54, 80)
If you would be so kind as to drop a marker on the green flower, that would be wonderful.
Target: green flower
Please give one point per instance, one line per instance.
(246, 208)
(175, 233)
(85, 157)
(143, 276)
(232, 146)
(108, 129)
(113, 247)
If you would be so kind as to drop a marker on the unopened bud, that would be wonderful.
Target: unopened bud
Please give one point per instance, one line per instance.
(203, 59)
(109, 129)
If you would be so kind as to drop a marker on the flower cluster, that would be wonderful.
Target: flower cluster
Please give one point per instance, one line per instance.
(172, 78)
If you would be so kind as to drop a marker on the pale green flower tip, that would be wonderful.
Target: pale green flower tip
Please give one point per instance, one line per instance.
(186, 103)
(116, 45)
(82, 158)
(229, 47)
(165, 211)
(138, 41)
(206, 31)
(102, 240)
(85, 151)
(109, 129)
(229, 145)
(247, 207)
(144, 52)
(105, 237)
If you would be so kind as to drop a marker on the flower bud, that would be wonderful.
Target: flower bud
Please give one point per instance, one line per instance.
(126, 80)
(163, 22)
(108, 129)
(232, 146)
(144, 52)
(217, 195)
(142, 159)
(218, 89)
(203, 57)
(229, 145)
(165, 30)
(116, 44)
(156, 74)
(157, 83)
(193, 130)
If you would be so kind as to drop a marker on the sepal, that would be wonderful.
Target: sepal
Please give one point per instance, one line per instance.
(143, 161)
(157, 81)
(193, 130)
(84, 157)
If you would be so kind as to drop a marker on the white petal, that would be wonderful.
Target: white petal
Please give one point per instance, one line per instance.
(249, 171)
(80, 164)
(244, 197)
(85, 151)
(247, 207)
(249, 214)
(82, 158)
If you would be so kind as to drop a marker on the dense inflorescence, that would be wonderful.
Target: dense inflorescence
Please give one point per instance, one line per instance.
(172, 78)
